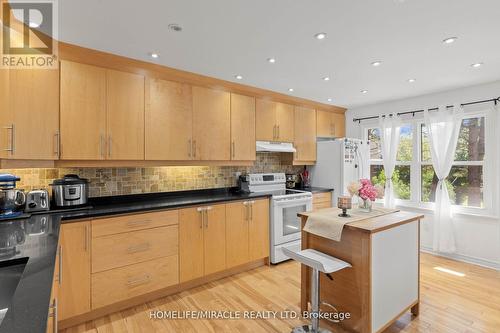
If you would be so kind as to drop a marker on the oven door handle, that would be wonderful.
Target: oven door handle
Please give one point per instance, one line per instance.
(291, 203)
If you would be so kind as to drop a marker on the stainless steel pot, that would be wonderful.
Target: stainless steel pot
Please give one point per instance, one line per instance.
(11, 199)
(70, 190)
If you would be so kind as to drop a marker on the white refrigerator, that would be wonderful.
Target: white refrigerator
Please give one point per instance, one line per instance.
(340, 162)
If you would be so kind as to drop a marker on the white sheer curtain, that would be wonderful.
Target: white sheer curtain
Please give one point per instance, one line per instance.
(389, 137)
(443, 128)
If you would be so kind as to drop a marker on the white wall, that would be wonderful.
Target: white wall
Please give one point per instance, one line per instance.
(477, 237)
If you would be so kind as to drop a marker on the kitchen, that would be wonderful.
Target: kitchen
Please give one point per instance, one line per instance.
(145, 188)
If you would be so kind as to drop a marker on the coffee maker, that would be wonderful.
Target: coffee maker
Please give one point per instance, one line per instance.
(11, 199)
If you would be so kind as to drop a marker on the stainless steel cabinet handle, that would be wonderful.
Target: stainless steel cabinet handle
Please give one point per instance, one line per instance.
(278, 132)
(233, 149)
(60, 264)
(274, 132)
(58, 144)
(201, 210)
(194, 148)
(135, 282)
(12, 146)
(101, 145)
(138, 248)
(190, 148)
(110, 145)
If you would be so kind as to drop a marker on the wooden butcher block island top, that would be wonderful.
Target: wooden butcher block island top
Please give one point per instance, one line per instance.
(383, 282)
(378, 223)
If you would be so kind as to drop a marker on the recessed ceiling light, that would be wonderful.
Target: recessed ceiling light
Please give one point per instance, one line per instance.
(290, 89)
(155, 55)
(33, 24)
(320, 35)
(238, 77)
(376, 63)
(450, 40)
(411, 80)
(364, 91)
(477, 65)
(329, 99)
(175, 27)
(326, 78)
(271, 60)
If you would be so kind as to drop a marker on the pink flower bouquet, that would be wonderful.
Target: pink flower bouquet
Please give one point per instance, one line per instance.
(365, 190)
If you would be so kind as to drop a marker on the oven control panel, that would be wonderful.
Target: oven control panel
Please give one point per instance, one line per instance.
(266, 178)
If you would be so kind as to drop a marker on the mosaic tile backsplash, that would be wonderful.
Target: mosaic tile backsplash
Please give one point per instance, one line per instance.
(120, 181)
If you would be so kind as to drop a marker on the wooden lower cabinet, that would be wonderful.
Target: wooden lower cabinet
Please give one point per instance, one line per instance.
(74, 294)
(120, 284)
(54, 295)
(108, 261)
(322, 200)
(202, 241)
(247, 231)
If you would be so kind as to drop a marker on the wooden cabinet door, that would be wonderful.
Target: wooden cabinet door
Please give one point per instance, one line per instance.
(324, 124)
(285, 122)
(338, 124)
(214, 239)
(265, 120)
(83, 111)
(242, 128)
(74, 293)
(125, 116)
(4, 117)
(259, 230)
(169, 120)
(34, 113)
(190, 244)
(211, 124)
(237, 216)
(305, 134)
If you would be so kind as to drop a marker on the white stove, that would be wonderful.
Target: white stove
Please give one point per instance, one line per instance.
(285, 204)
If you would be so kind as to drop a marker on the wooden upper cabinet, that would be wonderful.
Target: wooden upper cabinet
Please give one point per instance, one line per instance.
(242, 128)
(274, 121)
(338, 121)
(330, 124)
(265, 120)
(305, 134)
(74, 292)
(30, 115)
(125, 115)
(284, 122)
(4, 107)
(83, 112)
(169, 120)
(211, 124)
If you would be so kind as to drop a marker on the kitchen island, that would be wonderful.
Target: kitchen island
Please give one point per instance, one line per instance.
(383, 282)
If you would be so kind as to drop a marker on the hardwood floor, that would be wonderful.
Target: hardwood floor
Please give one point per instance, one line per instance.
(449, 303)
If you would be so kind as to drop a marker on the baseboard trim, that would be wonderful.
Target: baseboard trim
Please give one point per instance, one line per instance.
(464, 258)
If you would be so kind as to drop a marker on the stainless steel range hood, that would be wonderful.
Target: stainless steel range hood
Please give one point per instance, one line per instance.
(277, 147)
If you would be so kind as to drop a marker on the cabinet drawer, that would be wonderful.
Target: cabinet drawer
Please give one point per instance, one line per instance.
(120, 284)
(133, 247)
(120, 224)
(322, 197)
(321, 205)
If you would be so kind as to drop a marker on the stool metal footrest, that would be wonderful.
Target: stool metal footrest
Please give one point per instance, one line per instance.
(308, 329)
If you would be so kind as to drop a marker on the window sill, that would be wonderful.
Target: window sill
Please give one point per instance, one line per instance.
(469, 211)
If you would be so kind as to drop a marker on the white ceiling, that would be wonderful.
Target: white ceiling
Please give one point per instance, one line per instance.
(222, 38)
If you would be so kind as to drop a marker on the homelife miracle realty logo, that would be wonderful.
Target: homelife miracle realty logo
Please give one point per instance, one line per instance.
(29, 34)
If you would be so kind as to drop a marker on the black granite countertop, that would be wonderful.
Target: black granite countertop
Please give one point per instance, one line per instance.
(36, 239)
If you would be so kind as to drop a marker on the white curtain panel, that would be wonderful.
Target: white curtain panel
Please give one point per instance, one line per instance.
(443, 128)
(389, 135)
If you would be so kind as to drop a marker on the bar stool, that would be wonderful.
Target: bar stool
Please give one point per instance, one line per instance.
(318, 262)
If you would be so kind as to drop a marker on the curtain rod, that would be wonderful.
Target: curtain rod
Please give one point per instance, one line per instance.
(494, 100)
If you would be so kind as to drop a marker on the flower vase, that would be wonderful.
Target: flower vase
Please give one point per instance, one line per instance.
(365, 205)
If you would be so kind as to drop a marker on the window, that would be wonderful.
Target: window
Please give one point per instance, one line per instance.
(401, 175)
(414, 164)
